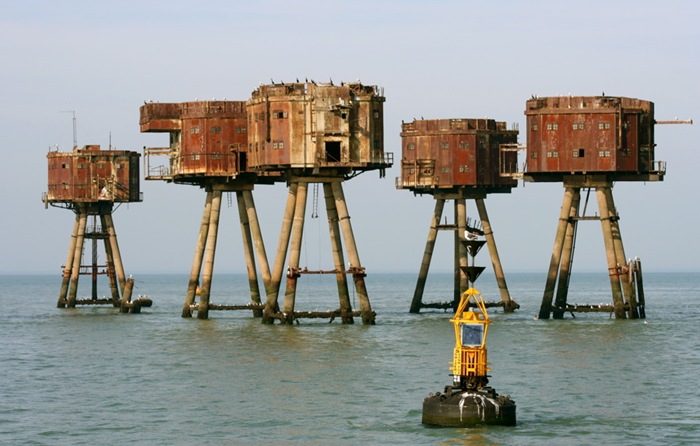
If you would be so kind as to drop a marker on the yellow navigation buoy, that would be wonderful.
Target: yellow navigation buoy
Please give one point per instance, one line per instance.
(469, 401)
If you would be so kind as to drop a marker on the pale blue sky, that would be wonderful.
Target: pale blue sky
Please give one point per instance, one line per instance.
(437, 59)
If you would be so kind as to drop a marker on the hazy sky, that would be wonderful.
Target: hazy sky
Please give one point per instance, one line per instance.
(436, 59)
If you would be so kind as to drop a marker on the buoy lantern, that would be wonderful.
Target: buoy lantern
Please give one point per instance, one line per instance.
(469, 401)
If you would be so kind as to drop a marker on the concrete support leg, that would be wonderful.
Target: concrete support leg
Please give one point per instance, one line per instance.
(77, 257)
(639, 281)
(567, 257)
(338, 257)
(198, 257)
(126, 296)
(209, 255)
(509, 305)
(263, 263)
(427, 256)
(249, 252)
(68, 267)
(111, 274)
(613, 267)
(295, 253)
(353, 255)
(555, 261)
(112, 233)
(627, 285)
(93, 265)
(271, 305)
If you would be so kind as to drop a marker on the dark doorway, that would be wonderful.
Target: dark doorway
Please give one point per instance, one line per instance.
(332, 151)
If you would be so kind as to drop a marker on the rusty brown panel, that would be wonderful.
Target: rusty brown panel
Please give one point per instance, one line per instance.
(628, 154)
(465, 159)
(315, 125)
(212, 135)
(593, 134)
(442, 153)
(215, 147)
(534, 154)
(409, 148)
(465, 152)
(408, 174)
(377, 130)
(60, 176)
(191, 154)
(79, 176)
(278, 146)
(157, 117)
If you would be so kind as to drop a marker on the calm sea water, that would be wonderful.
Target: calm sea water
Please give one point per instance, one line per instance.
(93, 376)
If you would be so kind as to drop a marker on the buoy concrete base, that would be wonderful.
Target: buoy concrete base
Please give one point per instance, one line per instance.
(457, 407)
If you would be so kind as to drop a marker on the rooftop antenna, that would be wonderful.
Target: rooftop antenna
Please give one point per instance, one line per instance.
(75, 128)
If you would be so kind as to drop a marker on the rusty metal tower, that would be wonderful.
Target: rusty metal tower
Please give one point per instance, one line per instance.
(587, 143)
(89, 181)
(208, 148)
(314, 134)
(458, 159)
